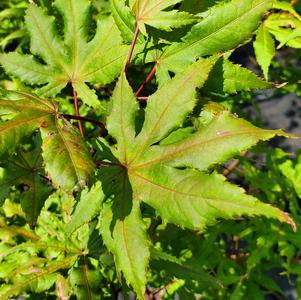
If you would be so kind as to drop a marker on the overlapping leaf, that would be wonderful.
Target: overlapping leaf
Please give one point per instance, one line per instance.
(230, 78)
(66, 156)
(28, 113)
(74, 60)
(152, 13)
(146, 170)
(285, 28)
(25, 171)
(218, 31)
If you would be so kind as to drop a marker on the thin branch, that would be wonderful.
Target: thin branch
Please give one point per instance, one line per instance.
(132, 47)
(109, 164)
(231, 167)
(142, 99)
(75, 99)
(294, 2)
(146, 81)
(85, 119)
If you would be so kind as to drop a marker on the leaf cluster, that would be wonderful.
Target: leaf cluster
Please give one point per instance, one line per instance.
(132, 198)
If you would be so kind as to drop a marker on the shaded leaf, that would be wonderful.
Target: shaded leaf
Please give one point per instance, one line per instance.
(25, 171)
(28, 113)
(85, 280)
(87, 208)
(67, 159)
(238, 78)
(123, 230)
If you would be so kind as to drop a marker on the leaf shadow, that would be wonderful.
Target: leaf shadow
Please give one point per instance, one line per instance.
(116, 187)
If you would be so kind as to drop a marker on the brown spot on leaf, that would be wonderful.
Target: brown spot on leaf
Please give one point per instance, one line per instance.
(44, 124)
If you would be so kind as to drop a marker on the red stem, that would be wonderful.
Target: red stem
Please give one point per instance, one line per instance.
(146, 81)
(132, 47)
(85, 119)
(80, 127)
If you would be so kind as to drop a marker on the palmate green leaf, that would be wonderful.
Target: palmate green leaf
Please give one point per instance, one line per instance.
(25, 170)
(218, 31)
(141, 169)
(264, 47)
(74, 60)
(66, 156)
(28, 112)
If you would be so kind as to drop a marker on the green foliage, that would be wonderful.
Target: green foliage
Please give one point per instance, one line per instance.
(134, 199)
(74, 60)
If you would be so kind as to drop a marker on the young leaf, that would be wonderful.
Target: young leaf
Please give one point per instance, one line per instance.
(74, 60)
(46, 273)
(67, 159)
(292, 171)
(264, 47)
(216, 32)
(285, 28)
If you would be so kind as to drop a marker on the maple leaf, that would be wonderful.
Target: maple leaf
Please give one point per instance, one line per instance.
(172, 177)
(75, 59)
